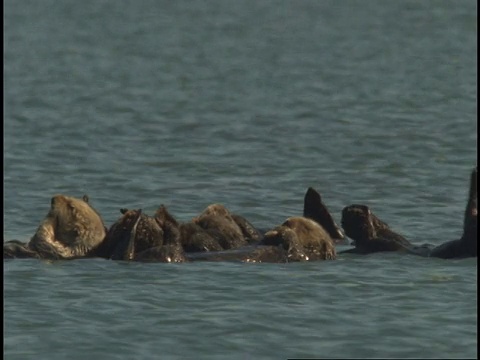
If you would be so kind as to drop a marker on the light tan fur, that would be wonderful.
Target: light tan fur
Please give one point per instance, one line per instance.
(312, 236)
(71, 228)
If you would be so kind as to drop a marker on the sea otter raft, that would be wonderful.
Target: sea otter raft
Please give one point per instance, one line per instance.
(73, 229)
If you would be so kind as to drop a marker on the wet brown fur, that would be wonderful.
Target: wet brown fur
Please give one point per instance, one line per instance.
(72, 228)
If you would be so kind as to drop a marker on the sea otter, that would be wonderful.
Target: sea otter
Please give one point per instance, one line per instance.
(370, 234)
(303, 238)
(71, 229)
(137, 236)
(373, 235)
(216, 229)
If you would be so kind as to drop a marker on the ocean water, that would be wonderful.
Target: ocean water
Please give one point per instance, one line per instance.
(245, 103)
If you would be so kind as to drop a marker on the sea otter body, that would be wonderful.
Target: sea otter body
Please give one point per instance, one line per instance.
(71, 229)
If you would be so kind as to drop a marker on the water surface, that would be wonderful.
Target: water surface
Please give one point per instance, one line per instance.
(142, 103)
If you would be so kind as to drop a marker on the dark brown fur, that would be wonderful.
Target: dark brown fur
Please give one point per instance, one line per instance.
(217, 221)
(315, 209)
(369, 232)
(466, 246)
(136, 236)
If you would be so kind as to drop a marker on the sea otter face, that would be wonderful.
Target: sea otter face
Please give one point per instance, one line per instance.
(215, 209)
(71, 228)
(280, 235)
(303, 238)
(359, 223)
(75, 221)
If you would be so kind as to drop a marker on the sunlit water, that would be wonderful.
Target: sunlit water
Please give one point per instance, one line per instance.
(142, 103)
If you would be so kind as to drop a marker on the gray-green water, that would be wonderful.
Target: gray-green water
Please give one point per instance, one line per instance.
(246, 103)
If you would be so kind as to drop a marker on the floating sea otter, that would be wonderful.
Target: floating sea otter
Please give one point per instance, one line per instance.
(71, 229)
(373, 235)
(370, 234)
(216, 229)
(302, 239)
(137, 236)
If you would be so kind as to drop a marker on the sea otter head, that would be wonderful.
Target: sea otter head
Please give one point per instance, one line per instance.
(72, 228)
(214, 209)
(359, 223)
(280, 235)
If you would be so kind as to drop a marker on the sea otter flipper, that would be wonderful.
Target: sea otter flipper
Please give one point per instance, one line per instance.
(130, 253)
(471, 209)
(315, 209)
(250, 233)
(466, 246)
(120, 241)
(169, 225)
(469, 236)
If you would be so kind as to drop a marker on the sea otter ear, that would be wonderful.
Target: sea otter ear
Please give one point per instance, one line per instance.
(85, 198)
(123, 210)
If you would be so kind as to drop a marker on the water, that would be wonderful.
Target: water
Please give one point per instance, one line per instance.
(142, 103)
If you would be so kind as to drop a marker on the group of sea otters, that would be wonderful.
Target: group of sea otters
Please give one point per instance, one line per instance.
(74, 229)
